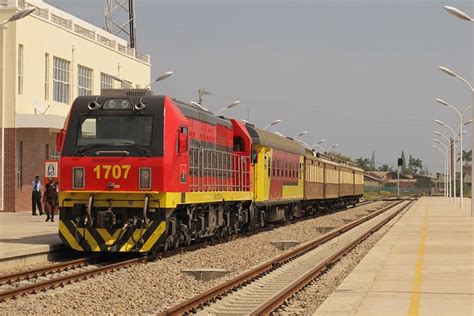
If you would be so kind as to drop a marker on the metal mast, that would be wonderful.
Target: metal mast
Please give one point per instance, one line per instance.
(120, 19)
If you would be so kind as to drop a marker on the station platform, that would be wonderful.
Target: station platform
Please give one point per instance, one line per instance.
(424, 265)
(26, 239)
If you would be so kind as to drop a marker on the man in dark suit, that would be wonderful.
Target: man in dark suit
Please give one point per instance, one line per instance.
(36, 196)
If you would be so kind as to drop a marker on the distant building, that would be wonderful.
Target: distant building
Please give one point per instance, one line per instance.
(49, 58)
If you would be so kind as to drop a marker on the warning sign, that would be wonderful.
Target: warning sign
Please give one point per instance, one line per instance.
(51, 169)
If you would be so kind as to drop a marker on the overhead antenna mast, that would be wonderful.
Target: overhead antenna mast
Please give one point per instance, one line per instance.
(120, 19)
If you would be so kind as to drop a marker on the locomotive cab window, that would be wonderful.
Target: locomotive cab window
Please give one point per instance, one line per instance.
(115, 130)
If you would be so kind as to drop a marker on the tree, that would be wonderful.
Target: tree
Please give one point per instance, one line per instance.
(385, 168)
(415, 164)
(466, 157)
(363, 163)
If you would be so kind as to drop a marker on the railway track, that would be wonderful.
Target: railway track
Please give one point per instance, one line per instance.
(60, 274)
(264, 288)
(56, 275)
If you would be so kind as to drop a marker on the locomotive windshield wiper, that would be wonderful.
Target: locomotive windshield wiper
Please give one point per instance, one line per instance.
(143, 150)
(87, 147)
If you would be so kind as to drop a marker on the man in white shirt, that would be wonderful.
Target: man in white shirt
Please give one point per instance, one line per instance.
(36, 196)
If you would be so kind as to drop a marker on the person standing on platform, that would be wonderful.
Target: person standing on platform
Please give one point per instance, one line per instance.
(36, 196)
(50, 199)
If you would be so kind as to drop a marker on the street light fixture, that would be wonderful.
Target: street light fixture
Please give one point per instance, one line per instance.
(320, 141)
(458, 13)
(443, 102)
(453, 162)
(19, 15)
(164, 76)
(301, 134)
(275, 122)
(235, 103)
(446, 185)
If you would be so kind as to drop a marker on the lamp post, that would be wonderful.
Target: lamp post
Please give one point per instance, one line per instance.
(275, 122)
(453, 160)
(463, 16)
(448, 163)
(446, 173)
(461, 188)
(445, 182)
(235, 103)
(164, 76)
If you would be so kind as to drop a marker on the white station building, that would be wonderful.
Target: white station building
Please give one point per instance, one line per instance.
(47, 59)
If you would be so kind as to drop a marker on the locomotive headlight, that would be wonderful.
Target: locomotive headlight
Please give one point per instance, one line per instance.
(144, 179)
(78, 178)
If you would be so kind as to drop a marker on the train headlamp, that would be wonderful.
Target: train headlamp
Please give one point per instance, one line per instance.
(78, 178)
(117, 104)
(144, 178)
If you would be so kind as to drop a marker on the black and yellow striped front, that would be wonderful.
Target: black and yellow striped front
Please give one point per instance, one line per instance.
(93, 239)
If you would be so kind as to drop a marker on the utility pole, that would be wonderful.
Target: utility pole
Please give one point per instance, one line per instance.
(120, 18)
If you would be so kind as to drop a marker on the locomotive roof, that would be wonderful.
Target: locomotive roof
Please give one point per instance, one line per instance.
(272, 140)
(156, 104)
(200, 114)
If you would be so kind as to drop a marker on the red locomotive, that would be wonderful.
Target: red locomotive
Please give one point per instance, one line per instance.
(141, 172)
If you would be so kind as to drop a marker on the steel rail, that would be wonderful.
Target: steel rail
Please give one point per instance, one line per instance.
(279, 299)
(249, 276)
(43, 271)
(67, 279)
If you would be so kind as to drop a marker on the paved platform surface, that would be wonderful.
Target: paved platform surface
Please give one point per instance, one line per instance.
(423, 266)
(23, 234)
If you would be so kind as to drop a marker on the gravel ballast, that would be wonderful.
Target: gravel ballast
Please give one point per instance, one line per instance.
(159, 285)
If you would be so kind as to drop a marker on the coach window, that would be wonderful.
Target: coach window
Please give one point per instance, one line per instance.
(269, 166)
(273, 167)
(238, 143)
(278, 168)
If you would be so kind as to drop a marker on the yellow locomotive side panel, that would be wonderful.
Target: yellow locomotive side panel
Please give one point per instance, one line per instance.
(260, 174)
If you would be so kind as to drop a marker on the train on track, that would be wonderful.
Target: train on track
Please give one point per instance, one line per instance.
(142, 173)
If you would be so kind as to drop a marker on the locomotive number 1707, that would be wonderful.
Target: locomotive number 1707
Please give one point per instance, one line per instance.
(116, 171)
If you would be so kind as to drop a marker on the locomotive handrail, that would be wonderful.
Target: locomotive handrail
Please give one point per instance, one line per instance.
(125, 152)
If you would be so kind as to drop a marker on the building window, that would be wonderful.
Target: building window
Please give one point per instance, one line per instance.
(106, 81)
(46, 151)
(46, 76)
(84, 81)
(53, 153)
(20, 69)
(61, 80)
(20, 165)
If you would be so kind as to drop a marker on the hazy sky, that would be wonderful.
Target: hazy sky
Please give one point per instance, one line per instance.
(361, 74)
